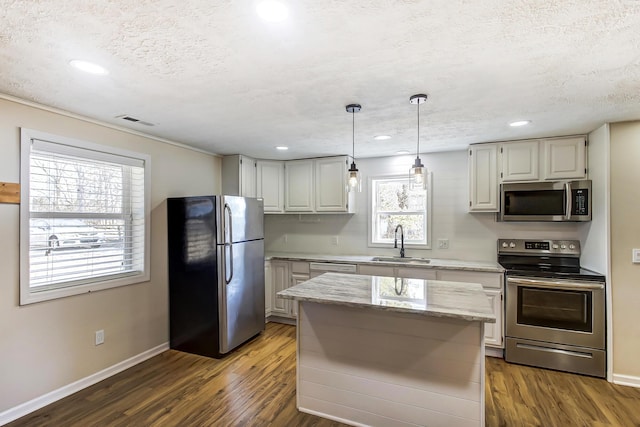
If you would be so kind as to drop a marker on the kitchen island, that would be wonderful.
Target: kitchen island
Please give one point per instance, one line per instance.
(385, 351)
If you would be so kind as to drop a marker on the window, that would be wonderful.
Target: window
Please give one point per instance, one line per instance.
(394, 203)
(84, 217)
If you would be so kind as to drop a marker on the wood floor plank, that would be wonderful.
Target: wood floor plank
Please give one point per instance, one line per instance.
(256, 386)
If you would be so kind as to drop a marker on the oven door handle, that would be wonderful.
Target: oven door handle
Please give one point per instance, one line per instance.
(571, 286)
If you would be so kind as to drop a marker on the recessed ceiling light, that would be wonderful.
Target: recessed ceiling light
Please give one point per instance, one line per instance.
(402, 152)
(88, 67)
(272, 11)
(519, 123)
(381, 137)
(282, 148)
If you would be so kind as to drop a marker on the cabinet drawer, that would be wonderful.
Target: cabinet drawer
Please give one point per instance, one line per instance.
(375, 270)
(300, 267)
(487, 280)
(417, 273)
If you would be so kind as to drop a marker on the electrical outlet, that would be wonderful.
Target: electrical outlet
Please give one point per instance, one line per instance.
(335, 240)
(635, 257)
(443, 243)
(100, 337)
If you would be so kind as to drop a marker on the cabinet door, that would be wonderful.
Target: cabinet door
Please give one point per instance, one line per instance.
(270, 184)
(238, 176)
(331, 189)
(483, 178)
(493, 331)
(268, 288)
(247, 177)
(299, 186)
(520, 161)
(296, 279)
(280, 282)
(564, 158)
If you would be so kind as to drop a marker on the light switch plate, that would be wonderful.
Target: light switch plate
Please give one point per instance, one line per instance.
(635, 257)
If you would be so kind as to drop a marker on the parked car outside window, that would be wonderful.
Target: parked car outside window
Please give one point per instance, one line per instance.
(59, 233)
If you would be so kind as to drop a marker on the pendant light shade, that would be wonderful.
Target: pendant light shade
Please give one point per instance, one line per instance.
(354, 183)
(418, 173)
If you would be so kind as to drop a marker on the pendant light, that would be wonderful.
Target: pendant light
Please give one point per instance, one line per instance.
(354, 183)
(418, 173)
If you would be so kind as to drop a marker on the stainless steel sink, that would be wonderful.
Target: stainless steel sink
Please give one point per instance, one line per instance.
(404, 260)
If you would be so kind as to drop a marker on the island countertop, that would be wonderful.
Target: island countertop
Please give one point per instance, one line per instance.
(433, 298)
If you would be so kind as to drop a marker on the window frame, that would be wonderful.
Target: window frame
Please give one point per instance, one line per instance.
(27, 294)
(371, 213)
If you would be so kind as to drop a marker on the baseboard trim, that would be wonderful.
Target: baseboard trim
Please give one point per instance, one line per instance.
(627, 380)
(280, 319)
(494, 352)
(331, 417)
(67, 390)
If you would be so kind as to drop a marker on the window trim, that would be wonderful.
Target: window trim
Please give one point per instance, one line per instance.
(26, 294)
(370, 195)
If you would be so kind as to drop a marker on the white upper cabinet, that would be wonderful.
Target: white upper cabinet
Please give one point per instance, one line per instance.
(520, 161)
(290, 186)
(564, 158)
(483, 178)
(299, 185)
(238, 176)
(270, 184)
(331, 192)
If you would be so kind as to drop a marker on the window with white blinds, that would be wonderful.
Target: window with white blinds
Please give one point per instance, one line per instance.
(84, 212)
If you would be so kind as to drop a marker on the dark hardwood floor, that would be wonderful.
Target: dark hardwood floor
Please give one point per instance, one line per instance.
(255, 386)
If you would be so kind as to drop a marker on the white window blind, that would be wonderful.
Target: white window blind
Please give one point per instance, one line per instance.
(87, 213)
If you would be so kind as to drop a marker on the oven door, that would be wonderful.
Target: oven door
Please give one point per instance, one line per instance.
(556, 311)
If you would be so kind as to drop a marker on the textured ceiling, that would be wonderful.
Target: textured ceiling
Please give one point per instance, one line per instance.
(212, 75)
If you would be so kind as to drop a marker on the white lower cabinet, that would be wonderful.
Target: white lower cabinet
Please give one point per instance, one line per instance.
(280, 281)
(285, 274)
(493, 285)
(268, 289)
(493, 331)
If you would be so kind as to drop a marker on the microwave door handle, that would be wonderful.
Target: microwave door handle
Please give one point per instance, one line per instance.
(569, 200)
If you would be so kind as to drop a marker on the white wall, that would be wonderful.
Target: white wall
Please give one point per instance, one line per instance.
(48, 345)
(595, 250)
(471, 236)
(625, 235)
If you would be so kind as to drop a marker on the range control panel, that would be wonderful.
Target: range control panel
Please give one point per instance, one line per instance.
(539, 247)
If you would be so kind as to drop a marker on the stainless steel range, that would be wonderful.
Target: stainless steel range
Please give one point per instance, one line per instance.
(555, 310)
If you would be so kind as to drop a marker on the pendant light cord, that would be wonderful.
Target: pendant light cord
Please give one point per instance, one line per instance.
(353, 136)
(418, 152)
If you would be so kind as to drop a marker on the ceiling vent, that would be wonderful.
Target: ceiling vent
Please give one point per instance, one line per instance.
(133, 120)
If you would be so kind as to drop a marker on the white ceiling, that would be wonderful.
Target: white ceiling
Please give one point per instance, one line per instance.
(212, 75)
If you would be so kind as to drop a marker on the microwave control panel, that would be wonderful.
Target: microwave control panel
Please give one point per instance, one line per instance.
(580, 201)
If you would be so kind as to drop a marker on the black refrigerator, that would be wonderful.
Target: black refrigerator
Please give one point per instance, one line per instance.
(216, 272)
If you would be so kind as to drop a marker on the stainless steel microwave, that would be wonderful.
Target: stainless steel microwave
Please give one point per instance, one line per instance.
(546, 201)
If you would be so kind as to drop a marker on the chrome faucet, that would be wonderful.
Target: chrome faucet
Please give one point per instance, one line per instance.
(395, 241)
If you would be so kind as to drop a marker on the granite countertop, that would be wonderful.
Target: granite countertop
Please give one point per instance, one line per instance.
(434, 263)
(432, 298)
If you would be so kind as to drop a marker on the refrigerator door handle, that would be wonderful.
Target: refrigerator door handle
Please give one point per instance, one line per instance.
(230, 259)
(228, 223)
